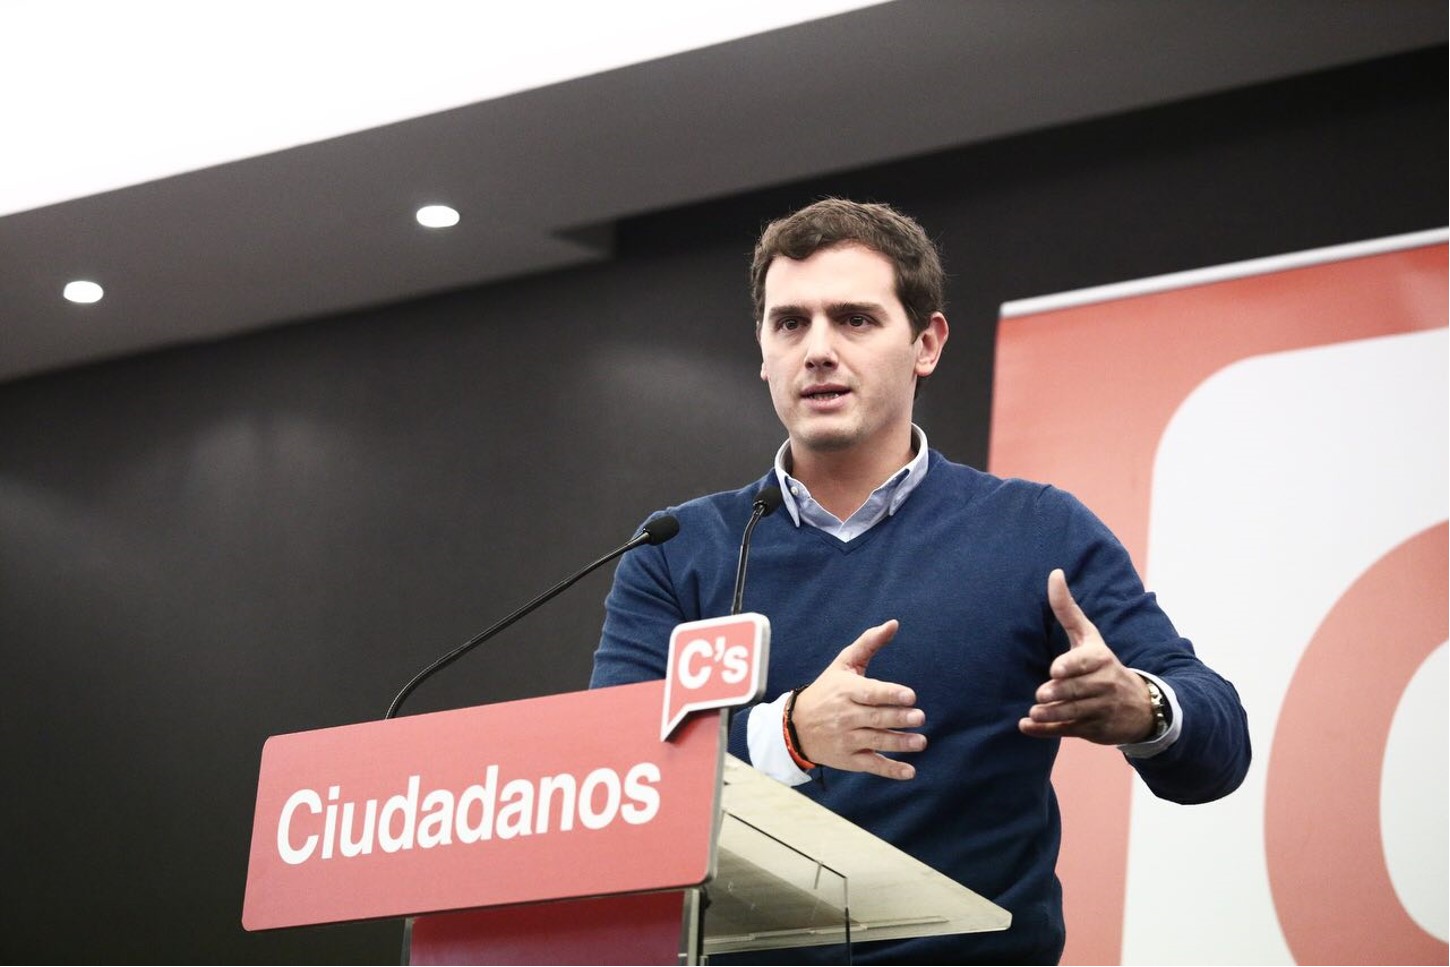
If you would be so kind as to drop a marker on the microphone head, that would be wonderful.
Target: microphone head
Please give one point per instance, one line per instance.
(660, 529)
(768, 500)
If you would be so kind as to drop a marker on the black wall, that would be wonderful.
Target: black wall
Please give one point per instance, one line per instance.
(205, 546)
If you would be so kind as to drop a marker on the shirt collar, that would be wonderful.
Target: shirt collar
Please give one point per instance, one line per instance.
(884, 501)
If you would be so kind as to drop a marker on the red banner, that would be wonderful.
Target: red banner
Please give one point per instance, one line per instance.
(1268, 440)
(563, 796)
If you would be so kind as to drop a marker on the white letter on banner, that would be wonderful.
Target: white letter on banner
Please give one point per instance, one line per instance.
(313, 802)
(609, 779)
(692, 680)
(405, 806)
(645, 799)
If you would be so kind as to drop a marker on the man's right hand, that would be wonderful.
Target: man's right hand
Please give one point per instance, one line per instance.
(846, 720)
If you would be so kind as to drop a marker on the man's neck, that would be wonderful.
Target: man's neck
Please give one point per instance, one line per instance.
(842, 480)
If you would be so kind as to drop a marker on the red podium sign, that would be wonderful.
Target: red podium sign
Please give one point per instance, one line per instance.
(715, 663)
(550, 798)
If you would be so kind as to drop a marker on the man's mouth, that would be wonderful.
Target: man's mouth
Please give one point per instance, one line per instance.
(825, 394)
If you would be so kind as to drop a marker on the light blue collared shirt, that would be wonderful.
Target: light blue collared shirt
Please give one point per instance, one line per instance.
(884, 501)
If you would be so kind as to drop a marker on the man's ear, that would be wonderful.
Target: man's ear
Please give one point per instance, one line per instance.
(929, 344)
(763, 378)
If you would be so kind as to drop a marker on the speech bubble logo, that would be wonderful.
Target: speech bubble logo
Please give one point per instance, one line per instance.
(714, 663)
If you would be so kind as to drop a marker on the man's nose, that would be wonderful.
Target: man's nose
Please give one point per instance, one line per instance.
(821, 344)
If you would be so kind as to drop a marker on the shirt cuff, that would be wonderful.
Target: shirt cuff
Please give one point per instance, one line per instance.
(766, 743)
(1147, 750)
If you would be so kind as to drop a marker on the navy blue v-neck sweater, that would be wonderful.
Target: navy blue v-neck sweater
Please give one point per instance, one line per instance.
(963, 565)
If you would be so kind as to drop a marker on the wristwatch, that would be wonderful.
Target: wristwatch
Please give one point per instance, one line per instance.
(1162, 711)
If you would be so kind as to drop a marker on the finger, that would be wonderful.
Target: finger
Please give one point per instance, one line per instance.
(892, 717)
(1065, 607)
(1081, 711)
(1079, 661)
(1046, 730)
(858, 654)
(1070, 690)
(884, 695)
(1062, 719)
(889, 740)
(880, 765)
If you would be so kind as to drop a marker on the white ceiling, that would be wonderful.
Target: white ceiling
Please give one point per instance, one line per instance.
(540, 166)
(293, 73)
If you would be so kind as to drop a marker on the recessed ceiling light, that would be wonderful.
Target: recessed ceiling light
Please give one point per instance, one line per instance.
(437, 216)
(82, 291)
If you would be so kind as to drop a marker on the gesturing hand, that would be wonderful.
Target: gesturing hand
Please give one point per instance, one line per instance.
(846, 720)
(1090, 694)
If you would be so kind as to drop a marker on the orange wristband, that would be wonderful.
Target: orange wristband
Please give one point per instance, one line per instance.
(787, 731)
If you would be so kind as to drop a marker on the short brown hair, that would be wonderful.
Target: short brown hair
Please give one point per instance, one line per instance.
(920, 282)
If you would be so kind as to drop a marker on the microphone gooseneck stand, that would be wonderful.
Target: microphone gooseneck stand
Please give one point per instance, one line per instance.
(656, 531)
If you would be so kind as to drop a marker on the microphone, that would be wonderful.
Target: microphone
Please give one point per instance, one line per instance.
(656, 530)
(766, 502)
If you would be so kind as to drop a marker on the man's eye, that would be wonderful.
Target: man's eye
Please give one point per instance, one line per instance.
(856, 322)
(788, 325)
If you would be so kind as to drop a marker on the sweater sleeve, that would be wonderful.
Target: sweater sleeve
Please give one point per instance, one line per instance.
(1211, 755)
(639, 614)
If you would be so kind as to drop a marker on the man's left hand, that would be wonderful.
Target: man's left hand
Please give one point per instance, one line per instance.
(1090, 694)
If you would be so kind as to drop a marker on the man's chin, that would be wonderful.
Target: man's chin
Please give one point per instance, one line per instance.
(828, 441)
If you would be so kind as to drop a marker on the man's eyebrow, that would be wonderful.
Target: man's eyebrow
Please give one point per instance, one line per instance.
(833, 309)
(781, 312)
(855, 308)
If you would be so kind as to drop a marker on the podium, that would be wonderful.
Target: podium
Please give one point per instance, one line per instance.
(564, 830)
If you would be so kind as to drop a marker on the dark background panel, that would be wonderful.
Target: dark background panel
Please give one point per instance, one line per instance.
(206, 546)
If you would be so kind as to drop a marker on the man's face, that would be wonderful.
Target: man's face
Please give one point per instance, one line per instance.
(838, 353)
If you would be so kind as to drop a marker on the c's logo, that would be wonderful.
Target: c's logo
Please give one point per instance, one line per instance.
(713, 664)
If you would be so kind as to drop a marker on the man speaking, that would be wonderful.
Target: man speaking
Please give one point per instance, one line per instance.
(935, 630)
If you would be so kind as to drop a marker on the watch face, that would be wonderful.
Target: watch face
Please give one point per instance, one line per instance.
(1162, 711)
